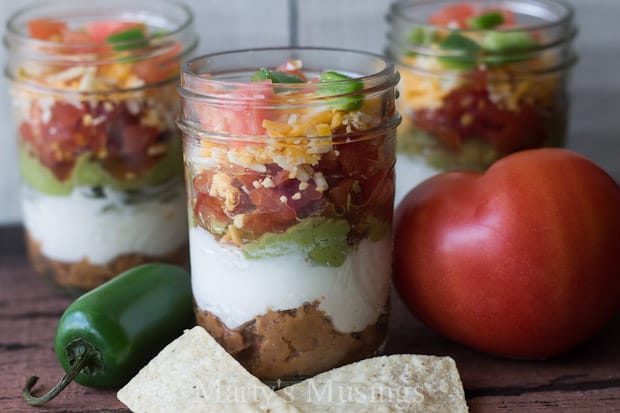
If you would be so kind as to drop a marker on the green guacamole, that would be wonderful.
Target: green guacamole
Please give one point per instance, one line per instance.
(322, 240)
(87, 172)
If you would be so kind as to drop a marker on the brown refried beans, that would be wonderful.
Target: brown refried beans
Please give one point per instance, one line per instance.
(293, 343)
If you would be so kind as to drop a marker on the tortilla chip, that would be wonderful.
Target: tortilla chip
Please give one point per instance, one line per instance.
(399, 383)
(194, 374)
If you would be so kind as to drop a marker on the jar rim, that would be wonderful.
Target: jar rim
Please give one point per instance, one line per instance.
(564, 63)
(550, 71)
(397, 10)
(192, 83)
(14, 34)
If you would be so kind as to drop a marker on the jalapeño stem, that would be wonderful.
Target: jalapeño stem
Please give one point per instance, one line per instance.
(82, 361)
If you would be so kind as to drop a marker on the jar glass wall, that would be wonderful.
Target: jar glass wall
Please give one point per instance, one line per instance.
(290, 183)
(93, 92)
(479, 80)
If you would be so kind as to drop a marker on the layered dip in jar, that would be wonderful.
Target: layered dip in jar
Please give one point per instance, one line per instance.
(93, 92)
(289, 157)
(479, 80)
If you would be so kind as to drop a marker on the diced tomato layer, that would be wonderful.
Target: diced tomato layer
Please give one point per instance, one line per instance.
(360, 184)
(128, 146)
(468, 112)
(121, 136)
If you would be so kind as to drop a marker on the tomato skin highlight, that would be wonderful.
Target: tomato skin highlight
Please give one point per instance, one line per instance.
(522, 261)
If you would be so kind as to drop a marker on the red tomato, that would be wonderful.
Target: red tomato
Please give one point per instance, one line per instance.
(100, 30)
(76, 37)
(46, 29)
(78, 41)
(454, 16)
(521, 261)
(159, 68)
(243, 115)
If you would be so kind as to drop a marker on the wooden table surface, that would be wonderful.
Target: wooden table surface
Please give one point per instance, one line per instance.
(586, 380)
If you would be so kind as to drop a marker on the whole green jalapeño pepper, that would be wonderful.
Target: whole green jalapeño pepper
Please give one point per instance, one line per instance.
(105, 336)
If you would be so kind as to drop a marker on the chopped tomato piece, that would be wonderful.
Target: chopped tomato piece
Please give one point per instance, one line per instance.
(101, 30)
(241, 116)
(208, 209)
(469, 111)
(159, 68)
(73, 38)
(340, 195)
(76, 37)
(248, 177)
(454, 16)
(46, 29)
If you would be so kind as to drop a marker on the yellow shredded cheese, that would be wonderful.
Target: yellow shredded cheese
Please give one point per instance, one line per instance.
(289, 144)
(420, 91)
(426, 91)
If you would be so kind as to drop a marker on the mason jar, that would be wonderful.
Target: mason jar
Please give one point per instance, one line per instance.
(479, 80)
(93, 92)
(289, 162)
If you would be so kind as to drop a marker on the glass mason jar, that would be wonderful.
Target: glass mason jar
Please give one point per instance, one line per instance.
(290, 183)
(479, 80)
(93, 92)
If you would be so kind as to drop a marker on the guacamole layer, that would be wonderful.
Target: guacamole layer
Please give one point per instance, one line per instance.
(89, 172)
(323, 241)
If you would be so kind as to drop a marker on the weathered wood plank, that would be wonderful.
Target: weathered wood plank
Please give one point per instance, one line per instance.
(29, 312)
(604, 400)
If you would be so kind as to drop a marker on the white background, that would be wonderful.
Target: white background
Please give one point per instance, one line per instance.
(360, 24)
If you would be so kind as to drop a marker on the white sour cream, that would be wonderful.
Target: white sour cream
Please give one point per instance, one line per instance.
(71, 228)
(237, 289)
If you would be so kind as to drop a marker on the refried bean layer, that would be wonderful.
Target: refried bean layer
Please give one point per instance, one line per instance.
(293, 343)
(83, 275)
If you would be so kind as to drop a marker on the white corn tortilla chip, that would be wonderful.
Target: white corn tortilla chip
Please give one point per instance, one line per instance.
(194, 374)
(399, 383)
